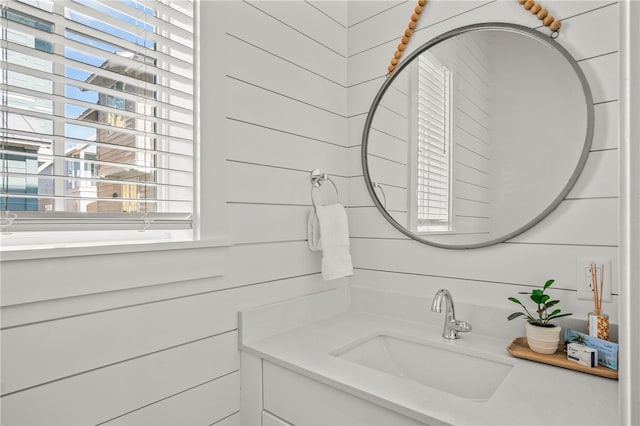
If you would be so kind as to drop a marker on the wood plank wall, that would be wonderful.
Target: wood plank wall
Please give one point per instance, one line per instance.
(585, 225)
(160, 347)
(150, 338)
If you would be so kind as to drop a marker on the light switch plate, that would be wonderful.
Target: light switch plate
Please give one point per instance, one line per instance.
(584, 281)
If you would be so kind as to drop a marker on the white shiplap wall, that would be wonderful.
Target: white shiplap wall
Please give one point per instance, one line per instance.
(585, 225)
(150, 338)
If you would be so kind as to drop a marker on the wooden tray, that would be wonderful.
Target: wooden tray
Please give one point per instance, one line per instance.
(520, 349)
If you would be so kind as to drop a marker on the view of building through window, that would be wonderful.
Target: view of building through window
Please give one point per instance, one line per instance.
(97, 106)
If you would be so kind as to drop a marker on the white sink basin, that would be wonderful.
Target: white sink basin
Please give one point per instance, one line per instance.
(434, 365)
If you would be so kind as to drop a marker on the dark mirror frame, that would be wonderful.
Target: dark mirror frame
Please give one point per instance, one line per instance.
(558, 199)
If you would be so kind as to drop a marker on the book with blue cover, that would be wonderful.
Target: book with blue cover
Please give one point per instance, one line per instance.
(607, 351)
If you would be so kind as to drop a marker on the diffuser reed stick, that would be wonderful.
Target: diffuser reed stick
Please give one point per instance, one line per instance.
(594, 285)
(601, 287)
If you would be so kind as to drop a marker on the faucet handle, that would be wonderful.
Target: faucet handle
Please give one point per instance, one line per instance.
(462, 326)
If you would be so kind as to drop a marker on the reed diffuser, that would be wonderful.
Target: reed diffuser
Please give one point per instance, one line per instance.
(597, 321)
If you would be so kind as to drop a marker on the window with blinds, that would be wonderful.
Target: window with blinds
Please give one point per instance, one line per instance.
(434, 154)
(97, 114)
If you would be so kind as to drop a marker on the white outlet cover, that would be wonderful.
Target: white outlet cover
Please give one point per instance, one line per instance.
(583, 278)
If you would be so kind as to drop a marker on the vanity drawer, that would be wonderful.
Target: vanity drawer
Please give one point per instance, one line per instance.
(303, 401)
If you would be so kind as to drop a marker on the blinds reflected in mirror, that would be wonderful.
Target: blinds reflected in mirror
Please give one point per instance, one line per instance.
(97, 111)
(433, 151)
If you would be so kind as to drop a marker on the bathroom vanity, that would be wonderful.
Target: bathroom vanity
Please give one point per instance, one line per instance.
(312, 360)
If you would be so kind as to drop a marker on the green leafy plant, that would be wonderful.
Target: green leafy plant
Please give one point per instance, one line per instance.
(543, 303)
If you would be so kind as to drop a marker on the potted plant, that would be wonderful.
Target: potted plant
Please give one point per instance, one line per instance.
(543, 336)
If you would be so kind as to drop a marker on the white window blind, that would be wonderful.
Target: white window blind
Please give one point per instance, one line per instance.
(97, 114)
(433, 159)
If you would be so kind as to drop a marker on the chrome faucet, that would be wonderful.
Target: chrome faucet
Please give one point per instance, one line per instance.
(451, 325)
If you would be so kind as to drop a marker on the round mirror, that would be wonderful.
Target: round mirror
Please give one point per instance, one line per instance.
(477, 135)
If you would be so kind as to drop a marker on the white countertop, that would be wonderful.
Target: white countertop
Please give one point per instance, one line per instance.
(531, 394)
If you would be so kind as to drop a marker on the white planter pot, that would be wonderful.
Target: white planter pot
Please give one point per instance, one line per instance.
(543, 340)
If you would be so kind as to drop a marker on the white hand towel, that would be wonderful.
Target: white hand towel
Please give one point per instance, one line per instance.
(333, 239)
(313, 231)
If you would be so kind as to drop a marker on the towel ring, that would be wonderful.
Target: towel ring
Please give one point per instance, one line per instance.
(317, 178)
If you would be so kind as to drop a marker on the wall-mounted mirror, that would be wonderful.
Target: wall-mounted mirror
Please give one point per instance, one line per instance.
(477, 135)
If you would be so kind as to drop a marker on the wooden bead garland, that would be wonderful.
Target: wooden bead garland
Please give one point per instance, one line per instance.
(415, 16)
(543, 15)
(530, 5)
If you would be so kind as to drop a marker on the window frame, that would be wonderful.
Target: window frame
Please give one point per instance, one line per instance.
(209, 229)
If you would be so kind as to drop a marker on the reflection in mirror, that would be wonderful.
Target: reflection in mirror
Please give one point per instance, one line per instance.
(477, 136)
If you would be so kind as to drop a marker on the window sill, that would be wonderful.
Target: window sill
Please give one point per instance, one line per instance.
(61, 250)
